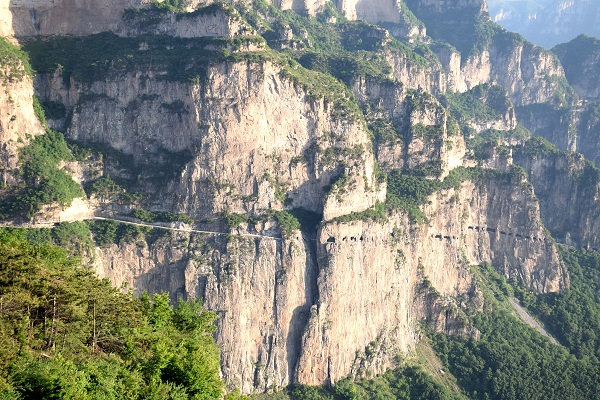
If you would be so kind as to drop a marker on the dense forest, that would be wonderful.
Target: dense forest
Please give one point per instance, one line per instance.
(66, 334)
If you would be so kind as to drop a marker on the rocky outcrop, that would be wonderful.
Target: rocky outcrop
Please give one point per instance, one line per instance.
(412, 128)
(393, 15)
(487, 53)
(529, 73)
(568, 188)
(66, 17)
(424, 74)
(573, 128)
(218, 20)
(261, 289)
(126, 18)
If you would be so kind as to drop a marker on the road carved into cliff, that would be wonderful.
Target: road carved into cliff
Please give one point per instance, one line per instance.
(149, 225)
(529, 320)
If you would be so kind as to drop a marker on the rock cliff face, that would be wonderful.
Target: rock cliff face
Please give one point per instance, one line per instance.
(581, 59)
(65, 17)
(572, 128)
(130, 17)
(568, 187)
(251, 134)
(17, 117)
(530, 74)
(284, 305)
(237, 128)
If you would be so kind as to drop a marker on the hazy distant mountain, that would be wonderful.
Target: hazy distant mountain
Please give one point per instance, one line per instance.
(548, 22)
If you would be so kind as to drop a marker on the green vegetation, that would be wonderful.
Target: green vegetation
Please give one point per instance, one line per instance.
(54, 109)
(376, 213)
(346, 66)
(408, 190)
(485, 102)
(287, 221)
(106, 232)
(538, 146)
(234, 220)
(573, 317)
(482, 143)
(92, 58)
(171, 5)
(403, 383)
(576, 56)
(46, 182)
(14, 62)
(74, 237)
(66, 334)
(511, 360)
(324, 86)
(107, 190)
(161, 216)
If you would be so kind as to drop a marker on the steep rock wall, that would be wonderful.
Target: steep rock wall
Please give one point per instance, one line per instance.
(419, 132)
(261, 289)
(127, 18)
(253, 138)
(17, 118)
(569, 190)
(571, 128)
(581, 60)
(67, 17)
(372, 274)
(294, 310)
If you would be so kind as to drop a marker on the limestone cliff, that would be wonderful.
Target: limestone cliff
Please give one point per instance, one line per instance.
(284, 305)
(199, 116)
(131, 17)
(572, 128)
(568, 188)
(581, 59)
(64, 17)
(485, 53)
(295, 151)
(17, 115)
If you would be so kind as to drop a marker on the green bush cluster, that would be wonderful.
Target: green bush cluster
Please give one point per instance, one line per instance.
(106, 232)
(67, 334)
(538, 146)
(403, 383)
(161, 216)
(485, 102)
(45, 182)
(14, 62)
(92, 58)
(287, 222)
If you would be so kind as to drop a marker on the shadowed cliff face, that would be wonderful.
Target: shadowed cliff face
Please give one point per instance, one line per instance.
(568, 188)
